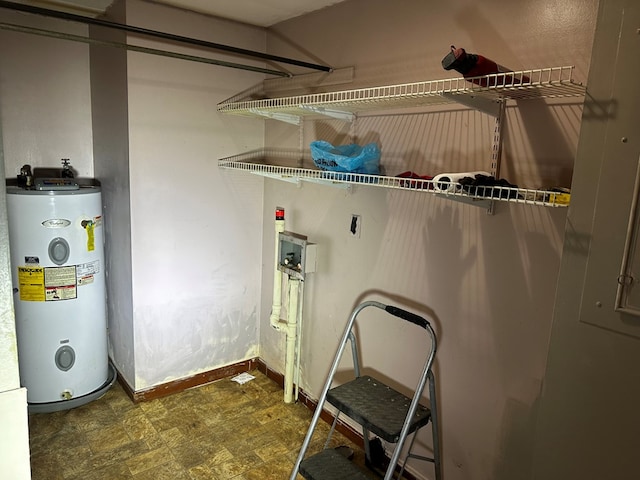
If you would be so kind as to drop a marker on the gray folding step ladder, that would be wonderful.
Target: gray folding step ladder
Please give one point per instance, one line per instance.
(379, 408)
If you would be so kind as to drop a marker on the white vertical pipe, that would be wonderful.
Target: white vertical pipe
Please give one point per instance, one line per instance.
(299, 338)
(292, 315)
(276, 306)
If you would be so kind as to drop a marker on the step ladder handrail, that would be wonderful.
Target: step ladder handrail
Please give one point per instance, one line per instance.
(414, 406)
(346, 336)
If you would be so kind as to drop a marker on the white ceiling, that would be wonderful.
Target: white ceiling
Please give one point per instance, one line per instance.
(263, 13)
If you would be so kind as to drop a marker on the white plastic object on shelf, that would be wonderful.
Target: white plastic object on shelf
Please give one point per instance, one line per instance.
(448, 182)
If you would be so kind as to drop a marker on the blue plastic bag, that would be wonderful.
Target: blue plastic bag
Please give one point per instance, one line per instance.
(350, 158)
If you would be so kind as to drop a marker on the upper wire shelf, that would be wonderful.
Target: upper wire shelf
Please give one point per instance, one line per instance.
(273, 163)
(553, 82)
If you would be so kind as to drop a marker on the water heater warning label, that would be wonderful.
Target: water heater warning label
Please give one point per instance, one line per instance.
(86, 272)
(50, 284)
(60, 283)
(31, 283)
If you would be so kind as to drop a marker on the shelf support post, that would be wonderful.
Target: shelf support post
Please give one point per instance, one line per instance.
(496, 147)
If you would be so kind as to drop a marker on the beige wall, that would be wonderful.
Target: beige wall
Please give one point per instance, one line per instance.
(488, 282)
(185, 246)
(44, 96)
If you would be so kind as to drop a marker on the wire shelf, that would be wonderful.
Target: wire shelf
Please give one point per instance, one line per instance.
(553, 82)
(293, 167)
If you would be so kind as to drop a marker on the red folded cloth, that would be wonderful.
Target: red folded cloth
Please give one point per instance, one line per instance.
(409, 184)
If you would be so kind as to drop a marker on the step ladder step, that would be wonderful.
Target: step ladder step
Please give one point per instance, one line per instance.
(377, 407)
(330, 465)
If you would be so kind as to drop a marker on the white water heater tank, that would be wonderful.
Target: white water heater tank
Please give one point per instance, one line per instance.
(57, 261)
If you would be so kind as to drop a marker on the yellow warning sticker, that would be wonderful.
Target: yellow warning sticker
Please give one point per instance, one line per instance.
(31, 284)
(89, 226)
(91, 241)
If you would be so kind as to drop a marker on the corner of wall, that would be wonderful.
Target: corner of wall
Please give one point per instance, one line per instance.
(109, 113)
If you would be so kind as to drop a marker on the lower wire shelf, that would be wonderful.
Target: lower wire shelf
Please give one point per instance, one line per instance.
(261, 162)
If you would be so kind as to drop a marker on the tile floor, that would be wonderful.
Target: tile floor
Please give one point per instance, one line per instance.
(217, 431)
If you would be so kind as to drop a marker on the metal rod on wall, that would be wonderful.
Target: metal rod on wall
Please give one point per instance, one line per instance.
(152, 51)
(154, 33)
